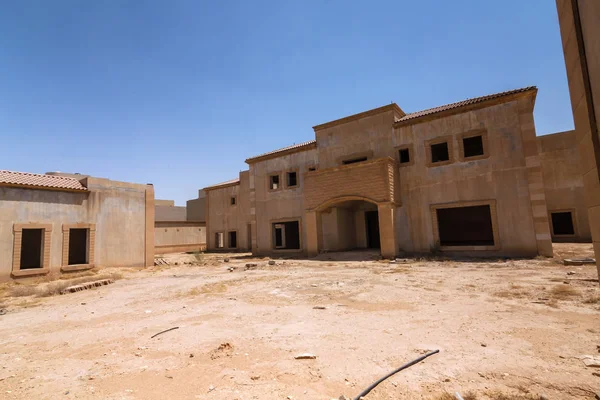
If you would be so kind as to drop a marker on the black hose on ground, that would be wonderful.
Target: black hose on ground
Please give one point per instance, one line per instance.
(410, 364)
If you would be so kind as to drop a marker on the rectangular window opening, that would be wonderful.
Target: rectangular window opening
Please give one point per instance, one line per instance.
(233, 200)
(404, 156)
(286, 235)
(232, 239)
(32, 248)
(465, 226)
(439, 152)
(473, 146)
(354, 160)
(292, 179)
(312, 168)
(274, 182)
(562, 223)
(78, 246)
(219, 240)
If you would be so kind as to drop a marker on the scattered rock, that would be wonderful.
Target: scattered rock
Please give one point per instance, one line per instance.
(447, 380)
(191, 355)
(255, 377)
(591, 361)
(83, 304)
(314, 285)
(271, 262)
(211, 388)
(319, 308)
(3, 311)
(251, 266)
(305, 356)
(342, 397)
(224, 350)
(571, 273)
(483, 345)
(226, 259)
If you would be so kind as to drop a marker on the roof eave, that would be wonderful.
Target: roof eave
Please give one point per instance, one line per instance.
(54, 189)
(277, 154)
(226, 185)
(470, 107)
(364, 114)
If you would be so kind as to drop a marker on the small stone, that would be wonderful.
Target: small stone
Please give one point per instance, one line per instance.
(138, 354)
(83, 304)
(481, 374)
(305, 356)
(271, 262)
(226, 259)
(211, 388)
(571, 273)
(168, 376)
(314, 285)
(447, 380)
(289, 397)
(483, 345)
(251, 266)
(319, 308)
(255, 377)
(191, 355)
(593, 362)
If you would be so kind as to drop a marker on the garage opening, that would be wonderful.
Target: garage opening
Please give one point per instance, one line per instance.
(232, 239)
(32, 246)
(372, 226)
(562, 223)
(78, 246)
(286, 235)
(465, 226)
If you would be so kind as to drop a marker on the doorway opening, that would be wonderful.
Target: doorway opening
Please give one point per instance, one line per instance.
(465, 226)
(372, 229)
(286, 235)
(32, 248)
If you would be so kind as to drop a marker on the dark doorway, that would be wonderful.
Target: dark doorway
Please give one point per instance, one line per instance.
(78, 243)
(372, 225)
(249, 233)
(286, 235)
(562, 223)
(465, 226)
(31, 248)
(233, 240)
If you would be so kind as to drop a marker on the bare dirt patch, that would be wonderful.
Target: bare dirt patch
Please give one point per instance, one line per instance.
(507, 329)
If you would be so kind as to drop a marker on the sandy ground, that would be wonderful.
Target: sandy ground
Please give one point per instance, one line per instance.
(509, 326)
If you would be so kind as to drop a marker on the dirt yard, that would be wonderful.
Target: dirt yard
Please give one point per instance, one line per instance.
(507, 329)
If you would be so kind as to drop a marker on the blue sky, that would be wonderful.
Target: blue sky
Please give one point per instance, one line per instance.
(179, 93)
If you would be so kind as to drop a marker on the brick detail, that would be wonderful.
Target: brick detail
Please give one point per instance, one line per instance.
(375, 180)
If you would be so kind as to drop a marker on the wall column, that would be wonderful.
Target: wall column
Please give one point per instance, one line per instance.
(387, 230)
(149, 256)
(314, 232)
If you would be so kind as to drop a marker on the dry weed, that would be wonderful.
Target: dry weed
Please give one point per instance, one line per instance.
(210, 288)
(514, 291)
(563, 292)
(593, 299)
(497, 395)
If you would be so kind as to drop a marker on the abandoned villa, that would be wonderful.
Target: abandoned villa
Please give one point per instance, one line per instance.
(468, 178)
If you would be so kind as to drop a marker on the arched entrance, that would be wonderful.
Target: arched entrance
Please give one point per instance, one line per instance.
(351, 222)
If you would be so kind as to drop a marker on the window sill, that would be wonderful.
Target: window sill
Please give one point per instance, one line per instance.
(439, 163)
(475, 158)
(76, 267)
(30, 272)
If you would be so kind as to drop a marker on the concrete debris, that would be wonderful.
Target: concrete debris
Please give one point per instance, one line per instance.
(88, 285)
(319, 308)
(591, 361)
(305, 356)
(579, 261)
(160, 261)
(571, 273)
(251, 266)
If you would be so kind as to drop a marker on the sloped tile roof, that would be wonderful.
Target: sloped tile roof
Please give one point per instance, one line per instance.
(40, 181)
(289, 149)
(223, 184)
(463, 103)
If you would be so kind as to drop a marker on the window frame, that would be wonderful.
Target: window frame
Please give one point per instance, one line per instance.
(46, 247)
(469, 134)
(411, 154)
(442, 139)
(573, 221)
(297, 172)
(91, 247)
(233, 201)
(279, 185)
(460, 204)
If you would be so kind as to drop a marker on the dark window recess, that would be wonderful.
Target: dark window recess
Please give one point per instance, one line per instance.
(312, 169)
(354, 160)
(32, 248)
(562, 223)
(286, 235)
(78, 246)
(274, 182)
(473, 146)
(439, 152)
(233, 200)
(232, 239)
(404, 156)
(465, 226)
(292, 179)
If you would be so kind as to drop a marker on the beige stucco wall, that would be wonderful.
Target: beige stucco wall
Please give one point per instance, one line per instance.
(224, 217)
(182, 236)
(563, 181)
(282, 204)
(196, 208)
(170, 213)
(117, 208)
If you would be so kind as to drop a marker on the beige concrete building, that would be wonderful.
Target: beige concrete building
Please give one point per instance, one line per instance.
(464, 178)
(67, 222)
(563, 182)
(580, 34)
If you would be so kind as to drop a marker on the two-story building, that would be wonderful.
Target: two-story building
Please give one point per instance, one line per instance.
(464, 178)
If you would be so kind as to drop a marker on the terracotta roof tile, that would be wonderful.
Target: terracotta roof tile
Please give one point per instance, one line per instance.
(222, 184)
(463, 103)
(27, 179)
(294, 147)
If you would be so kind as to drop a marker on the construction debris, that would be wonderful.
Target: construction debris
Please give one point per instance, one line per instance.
(161, 332)
(160, 261)
(88, 285)
(251, 266)
(305, 356)
(579, 261)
